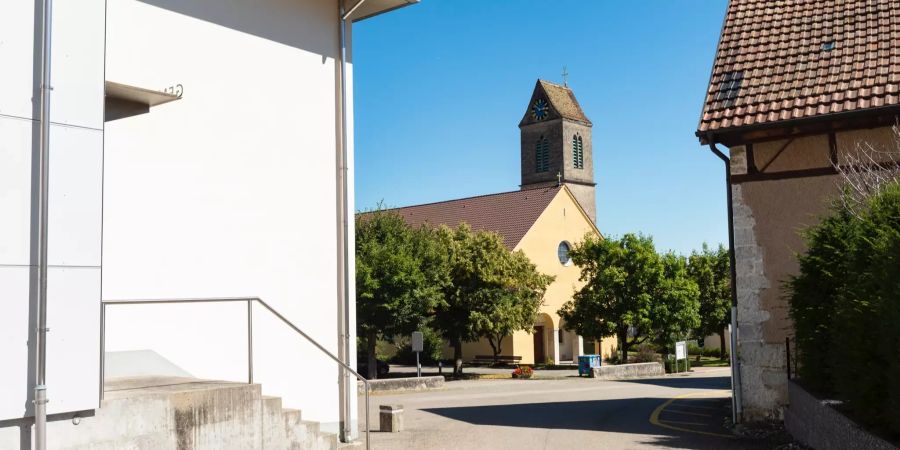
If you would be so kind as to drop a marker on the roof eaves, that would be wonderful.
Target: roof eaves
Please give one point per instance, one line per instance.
(798, 123)
(383, 7)
(465, 198)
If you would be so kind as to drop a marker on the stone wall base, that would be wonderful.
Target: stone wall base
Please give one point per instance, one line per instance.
(628, 371)
(403, 384)
(818, 425)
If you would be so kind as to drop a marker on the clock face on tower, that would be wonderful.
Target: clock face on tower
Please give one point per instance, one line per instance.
(540, 109)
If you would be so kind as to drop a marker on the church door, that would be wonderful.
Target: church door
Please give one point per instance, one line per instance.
(539, 355)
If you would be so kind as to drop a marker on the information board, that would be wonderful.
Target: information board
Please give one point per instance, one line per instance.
(681, 350)
(418, 341)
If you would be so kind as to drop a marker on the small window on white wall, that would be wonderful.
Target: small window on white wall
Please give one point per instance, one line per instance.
(563, 253)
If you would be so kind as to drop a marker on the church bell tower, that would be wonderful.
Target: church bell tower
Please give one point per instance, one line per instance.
(556, 144)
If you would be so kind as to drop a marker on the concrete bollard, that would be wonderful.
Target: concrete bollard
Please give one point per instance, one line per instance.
(391, 418)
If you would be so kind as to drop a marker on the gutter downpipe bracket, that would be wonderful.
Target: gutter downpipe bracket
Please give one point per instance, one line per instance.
(736, 404)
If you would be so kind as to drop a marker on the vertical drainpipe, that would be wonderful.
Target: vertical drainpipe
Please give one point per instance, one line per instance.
(40, 364)
(346, 389)
(737, 408)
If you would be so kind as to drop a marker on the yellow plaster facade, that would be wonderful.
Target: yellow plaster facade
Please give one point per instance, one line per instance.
(562, 221)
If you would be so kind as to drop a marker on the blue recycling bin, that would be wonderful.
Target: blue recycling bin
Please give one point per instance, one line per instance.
(587, 363)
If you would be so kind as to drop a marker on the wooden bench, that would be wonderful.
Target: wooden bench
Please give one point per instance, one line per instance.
(503, 359)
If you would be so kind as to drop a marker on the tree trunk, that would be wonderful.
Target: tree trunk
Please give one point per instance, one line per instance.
(457, 356)
(496, 348)
(623, 344)
(722, 344)
(371, 341)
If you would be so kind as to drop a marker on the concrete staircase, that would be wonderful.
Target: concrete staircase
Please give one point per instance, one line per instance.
(187, 413)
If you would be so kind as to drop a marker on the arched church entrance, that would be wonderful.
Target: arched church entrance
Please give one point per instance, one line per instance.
(543, 329)
(570, 344)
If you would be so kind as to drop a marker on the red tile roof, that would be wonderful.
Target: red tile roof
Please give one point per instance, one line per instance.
(780, 60)
(509, 214)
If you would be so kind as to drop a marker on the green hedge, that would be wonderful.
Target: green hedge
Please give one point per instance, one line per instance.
(684, 365)
(845, 304)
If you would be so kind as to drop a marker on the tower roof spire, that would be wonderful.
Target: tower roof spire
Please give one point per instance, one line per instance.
(561, 100)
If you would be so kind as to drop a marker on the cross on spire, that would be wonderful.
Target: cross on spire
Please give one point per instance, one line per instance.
(558, 178)
(565, 75)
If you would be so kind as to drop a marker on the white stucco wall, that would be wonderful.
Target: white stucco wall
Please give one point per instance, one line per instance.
(75, 204)
(229, 191)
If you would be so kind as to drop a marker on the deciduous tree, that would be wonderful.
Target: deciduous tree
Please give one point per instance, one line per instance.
(675, 309)
(515, 304)
(398, 279)
(489, 290)
(710, 270)
(620, 276)
(631, 292)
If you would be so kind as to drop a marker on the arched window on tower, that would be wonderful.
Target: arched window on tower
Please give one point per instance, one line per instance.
(542, 155)
(578, 152)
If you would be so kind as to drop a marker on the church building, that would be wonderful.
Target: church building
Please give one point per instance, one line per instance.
(553, 210)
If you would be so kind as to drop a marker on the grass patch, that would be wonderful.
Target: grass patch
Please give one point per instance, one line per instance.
(709, 361)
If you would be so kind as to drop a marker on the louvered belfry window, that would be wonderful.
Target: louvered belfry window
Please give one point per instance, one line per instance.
(578, 152)
(542, 155)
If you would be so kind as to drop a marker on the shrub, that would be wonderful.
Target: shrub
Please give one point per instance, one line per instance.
(683, 364)
(814, 295)
(646, 353)
(846, 301)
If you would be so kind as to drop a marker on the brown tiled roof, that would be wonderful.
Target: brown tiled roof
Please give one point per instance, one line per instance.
(780, 60)
(563, 100)
(509, 214)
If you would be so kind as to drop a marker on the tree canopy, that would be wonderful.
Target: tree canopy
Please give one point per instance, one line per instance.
(675, 309)
(460, 283)
(710, 270)
(630, 292)
(399, 278)
(515, 304)
(490, 289)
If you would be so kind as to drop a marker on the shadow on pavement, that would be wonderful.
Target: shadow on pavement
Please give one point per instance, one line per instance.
(721, 382)
(615, 416)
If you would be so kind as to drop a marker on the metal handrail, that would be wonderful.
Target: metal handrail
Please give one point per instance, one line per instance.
(249, 301)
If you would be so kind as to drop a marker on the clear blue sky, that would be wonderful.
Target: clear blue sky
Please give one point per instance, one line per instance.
(440, 88)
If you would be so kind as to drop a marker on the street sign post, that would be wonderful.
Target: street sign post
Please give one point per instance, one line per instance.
(418, 345)
(680, 353)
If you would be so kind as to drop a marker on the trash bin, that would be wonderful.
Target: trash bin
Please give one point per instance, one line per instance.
(587, 363)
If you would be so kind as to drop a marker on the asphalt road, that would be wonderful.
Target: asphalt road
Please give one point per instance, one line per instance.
(686, 411)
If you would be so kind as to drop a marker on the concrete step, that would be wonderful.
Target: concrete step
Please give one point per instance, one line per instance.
(359, 443)
(291, 417)
(274, 432)
(327, 441)
(272, 402)
(310, 426)
(185, 413)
